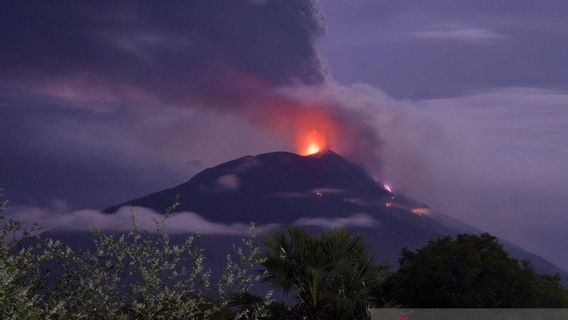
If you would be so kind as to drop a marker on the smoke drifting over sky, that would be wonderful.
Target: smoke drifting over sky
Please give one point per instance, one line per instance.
(139, 62)
(102, 102)
(179, 52)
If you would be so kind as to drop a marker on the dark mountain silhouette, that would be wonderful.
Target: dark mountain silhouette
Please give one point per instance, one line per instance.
(286, 188)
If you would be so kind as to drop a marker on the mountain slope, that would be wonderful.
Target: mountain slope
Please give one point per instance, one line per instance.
(319, 191)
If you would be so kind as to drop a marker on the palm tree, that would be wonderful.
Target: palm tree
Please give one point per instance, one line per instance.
(330, 274)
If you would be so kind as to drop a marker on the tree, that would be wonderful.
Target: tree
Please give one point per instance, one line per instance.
(330, 274)
(470, 271)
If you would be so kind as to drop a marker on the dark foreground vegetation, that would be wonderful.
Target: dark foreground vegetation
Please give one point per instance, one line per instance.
(470, 271)
(145, 275)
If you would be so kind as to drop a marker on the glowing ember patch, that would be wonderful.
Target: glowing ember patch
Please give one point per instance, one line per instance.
(420, 211)
(312, 143)
(312, 148)
(388, 188)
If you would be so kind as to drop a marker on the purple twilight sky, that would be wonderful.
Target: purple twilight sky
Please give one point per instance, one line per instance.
(460, 104)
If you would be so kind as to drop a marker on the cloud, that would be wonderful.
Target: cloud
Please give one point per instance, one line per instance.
(56, 218)
(459, 33)
(325, 190)
(356, 220)
(248, 163)
(228, 182)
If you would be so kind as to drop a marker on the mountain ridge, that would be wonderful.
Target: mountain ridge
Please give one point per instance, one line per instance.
(286, 188)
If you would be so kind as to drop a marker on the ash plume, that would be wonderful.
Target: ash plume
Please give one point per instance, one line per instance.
(253, 59)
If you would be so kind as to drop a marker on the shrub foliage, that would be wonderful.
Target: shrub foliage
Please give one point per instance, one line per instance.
(134, 275)
(470, 271)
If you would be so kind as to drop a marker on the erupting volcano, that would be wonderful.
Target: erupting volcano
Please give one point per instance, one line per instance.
(322, 192)
(315, 130)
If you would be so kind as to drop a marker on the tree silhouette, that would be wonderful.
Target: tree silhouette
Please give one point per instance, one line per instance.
(330, 274)
(470, 271)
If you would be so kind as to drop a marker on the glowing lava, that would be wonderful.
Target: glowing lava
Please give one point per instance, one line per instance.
(312, 148)
(311, 143)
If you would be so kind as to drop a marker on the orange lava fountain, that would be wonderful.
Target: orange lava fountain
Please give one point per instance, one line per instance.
(312, 143)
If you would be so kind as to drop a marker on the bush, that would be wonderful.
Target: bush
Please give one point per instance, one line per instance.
(470, 271)
(136, 275)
